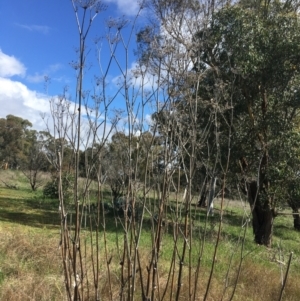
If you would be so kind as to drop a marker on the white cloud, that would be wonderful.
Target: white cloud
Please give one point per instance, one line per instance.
(10, 66)
(127, 7)
(18, 100)
(54, 68)
(36, 78)
(138, 77)
(37, 28)
(149, 120)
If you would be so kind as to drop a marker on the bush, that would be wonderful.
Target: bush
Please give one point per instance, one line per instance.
(51, 188)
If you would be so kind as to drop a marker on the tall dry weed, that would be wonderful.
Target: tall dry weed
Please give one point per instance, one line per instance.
(30, 265)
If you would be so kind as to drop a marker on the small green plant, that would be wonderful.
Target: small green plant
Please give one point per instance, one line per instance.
(51, 188)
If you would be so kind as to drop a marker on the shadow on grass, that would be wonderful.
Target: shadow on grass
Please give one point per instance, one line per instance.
(29, 212)
(41, 219)
(42, 213)
(39, 212)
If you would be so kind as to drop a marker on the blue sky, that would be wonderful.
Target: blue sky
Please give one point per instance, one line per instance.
(39, 38)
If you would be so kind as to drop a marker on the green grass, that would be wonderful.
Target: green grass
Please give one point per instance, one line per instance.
(30, 257)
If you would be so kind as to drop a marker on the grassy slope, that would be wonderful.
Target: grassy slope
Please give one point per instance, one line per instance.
(30, 258)
(29, 233)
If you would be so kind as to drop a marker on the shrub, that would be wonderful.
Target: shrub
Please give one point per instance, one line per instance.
(51, 188)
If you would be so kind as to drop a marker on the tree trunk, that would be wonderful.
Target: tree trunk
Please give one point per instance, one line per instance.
(263, 219)
(296, 215)
(262, 216)
(203, 195)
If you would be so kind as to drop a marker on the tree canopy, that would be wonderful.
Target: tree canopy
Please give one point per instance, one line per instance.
(247, 94)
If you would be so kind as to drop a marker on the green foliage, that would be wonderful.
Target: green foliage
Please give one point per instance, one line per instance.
(51, 188)
(251, 55)
(248, 99)
(14, 133)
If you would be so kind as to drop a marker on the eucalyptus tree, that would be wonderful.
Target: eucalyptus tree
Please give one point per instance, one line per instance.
(13, 142)
(35, 161)
(255, 49)
(246, 57)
